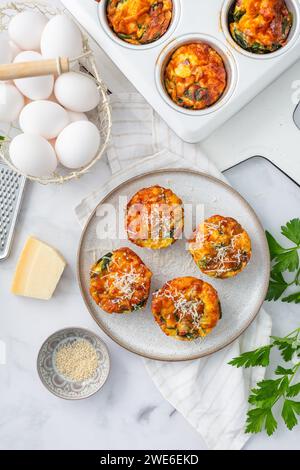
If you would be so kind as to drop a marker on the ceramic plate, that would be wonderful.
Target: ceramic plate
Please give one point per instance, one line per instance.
(59, 385)
(241, 297)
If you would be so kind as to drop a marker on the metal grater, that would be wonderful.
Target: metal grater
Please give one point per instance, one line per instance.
(11, 191)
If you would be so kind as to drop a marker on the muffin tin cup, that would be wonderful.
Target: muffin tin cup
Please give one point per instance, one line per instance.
(193, 21)
(172, 27)
(228, 59)
(293, 7)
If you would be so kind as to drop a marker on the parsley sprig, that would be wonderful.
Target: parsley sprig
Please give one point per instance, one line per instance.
(285, 260)
(281, 389)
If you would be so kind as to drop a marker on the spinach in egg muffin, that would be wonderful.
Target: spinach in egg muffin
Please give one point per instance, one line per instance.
(139, 21)
(260, 26)
(220, 247)
(195, 76)
(120, 282)
(186, 308)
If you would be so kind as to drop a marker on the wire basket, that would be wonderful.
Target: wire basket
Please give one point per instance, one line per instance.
(101, 116)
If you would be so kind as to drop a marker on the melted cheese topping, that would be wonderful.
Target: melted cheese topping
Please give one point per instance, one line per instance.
(155, 218)
(195, 76)
(139, 21)
(120, 282)
(126, 283)
(221, 247)
(260, 26)
(186, 308)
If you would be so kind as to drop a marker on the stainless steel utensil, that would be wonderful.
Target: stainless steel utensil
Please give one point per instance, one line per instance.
(11, 191)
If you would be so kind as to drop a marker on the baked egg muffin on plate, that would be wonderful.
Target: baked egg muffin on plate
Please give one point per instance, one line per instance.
(120, 282)
(186, 308)
(195, 76)
(260, 26)
(220, 247)
(139, 21)
(154, 218)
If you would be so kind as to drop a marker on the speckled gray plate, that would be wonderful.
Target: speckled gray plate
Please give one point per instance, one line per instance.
(241, 297)
(59, 385)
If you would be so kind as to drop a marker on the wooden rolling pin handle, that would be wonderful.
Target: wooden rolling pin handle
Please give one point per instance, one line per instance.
(35, 68)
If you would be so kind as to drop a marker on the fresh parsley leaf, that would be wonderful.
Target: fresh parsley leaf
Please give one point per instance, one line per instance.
(283, 386)
(264, 397)
(277, 286)
(296, 343)
(260, 418)
(274, 247)
(277, 276)
(256, 419)
(292, 231)
(258, 357)
(289, 411)
(292, 298)
(268, 392)
(282, 371)
(284, 259)
(287, 262)
(293, 390)
(286, 346)
(265, 403)
(266, 389)
(270, 423)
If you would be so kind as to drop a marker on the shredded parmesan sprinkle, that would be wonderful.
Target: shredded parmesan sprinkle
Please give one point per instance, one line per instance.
(221, 258)
(212, 227)
(77, 361)
(185, 307)
(209, 228)
(126, 283)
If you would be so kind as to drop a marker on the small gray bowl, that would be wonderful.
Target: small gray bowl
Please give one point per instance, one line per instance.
(58, 384)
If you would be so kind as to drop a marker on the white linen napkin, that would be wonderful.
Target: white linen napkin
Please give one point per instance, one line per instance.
(208, 392)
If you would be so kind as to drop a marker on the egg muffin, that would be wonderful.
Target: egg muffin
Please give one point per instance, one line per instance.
(195, 76)
(186, 308)
(154, 218)
(120, 282)
(220, 247)
(260, 26)
(139, 21)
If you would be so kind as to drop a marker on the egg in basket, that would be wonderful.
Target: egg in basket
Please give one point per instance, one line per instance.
(55, 116)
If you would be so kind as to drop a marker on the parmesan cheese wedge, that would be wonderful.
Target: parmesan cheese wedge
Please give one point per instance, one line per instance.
(38, 271)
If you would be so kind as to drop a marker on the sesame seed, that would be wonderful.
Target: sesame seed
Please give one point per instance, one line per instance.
(77, 361)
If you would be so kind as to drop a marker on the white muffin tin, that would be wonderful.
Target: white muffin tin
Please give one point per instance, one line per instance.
(193, 20)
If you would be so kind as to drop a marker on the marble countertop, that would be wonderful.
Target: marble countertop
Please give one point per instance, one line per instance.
(129, 412)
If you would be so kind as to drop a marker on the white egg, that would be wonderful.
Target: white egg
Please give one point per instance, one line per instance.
(11, 102)
(74, 117)
(26, 28)
(6, 55)
(33, 155)
(35, 88)
(15, 50)
(76, 92)
(61, 38)
(77, 144)
(44, 118)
